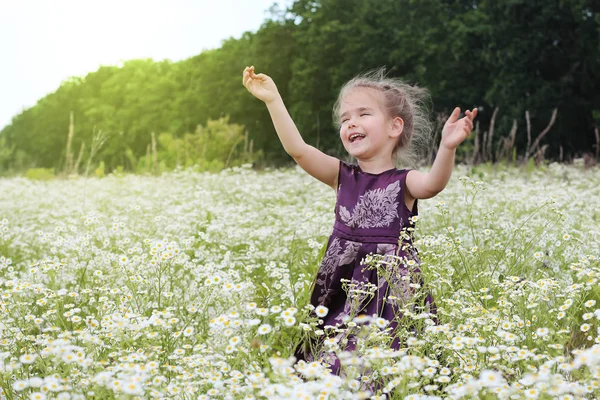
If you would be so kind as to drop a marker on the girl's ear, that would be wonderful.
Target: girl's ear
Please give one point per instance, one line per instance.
(397, 127)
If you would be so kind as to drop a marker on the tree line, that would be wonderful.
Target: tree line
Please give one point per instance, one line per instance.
(532, 67)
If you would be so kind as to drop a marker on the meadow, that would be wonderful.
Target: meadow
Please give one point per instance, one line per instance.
(195, 285)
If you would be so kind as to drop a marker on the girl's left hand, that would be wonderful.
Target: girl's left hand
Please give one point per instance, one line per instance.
(457, 130)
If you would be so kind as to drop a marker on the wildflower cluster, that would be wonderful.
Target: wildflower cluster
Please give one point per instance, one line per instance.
(196, 285)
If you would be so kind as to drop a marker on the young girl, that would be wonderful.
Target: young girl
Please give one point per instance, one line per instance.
(378, 119)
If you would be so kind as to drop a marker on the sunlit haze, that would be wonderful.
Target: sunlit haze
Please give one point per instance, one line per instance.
(45, 42)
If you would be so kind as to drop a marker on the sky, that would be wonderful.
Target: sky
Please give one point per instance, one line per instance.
(44, 42)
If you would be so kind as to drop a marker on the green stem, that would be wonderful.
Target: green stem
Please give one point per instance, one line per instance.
(514, 234)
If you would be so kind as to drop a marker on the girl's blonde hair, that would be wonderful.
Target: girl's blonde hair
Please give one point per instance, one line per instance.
(411, 103)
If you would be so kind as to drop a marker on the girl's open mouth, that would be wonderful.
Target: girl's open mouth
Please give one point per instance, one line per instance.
(356, 137)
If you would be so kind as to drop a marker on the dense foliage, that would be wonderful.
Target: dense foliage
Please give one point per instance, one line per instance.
(513, 55)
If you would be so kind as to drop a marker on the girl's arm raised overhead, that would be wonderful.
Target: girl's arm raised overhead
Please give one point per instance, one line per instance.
(420, 185)
(316, 163)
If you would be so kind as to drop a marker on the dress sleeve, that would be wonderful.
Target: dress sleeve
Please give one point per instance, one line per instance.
(415, 209)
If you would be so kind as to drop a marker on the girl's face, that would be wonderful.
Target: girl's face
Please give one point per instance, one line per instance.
(365, 129)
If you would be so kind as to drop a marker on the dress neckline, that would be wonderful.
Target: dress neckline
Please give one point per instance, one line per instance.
(371, 173)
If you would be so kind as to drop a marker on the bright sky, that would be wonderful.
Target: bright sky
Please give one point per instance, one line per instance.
(43, 42)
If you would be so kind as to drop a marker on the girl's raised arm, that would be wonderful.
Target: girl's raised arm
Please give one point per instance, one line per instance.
(420, 185)
(316, 163)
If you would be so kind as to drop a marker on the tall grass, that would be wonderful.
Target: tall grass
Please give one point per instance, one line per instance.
(195, 284)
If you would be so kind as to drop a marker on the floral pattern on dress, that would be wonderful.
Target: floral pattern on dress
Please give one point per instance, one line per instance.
(388, 250)
(375, 209)
(338, 254)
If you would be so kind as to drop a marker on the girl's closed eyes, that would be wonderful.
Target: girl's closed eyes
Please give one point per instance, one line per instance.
(362, 115)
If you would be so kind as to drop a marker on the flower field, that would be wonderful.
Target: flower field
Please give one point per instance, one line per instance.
(195, 285)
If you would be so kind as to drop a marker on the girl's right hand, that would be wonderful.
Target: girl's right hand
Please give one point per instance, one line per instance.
(261, 85)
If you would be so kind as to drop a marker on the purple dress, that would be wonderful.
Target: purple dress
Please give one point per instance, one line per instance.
(370, 214)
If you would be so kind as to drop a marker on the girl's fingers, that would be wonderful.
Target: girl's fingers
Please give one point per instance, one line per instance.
(468, 123)
(248, 74)
(472, 114)
(454, 116)
(253, 75)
